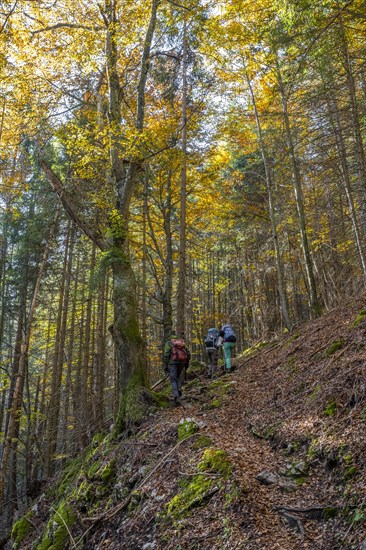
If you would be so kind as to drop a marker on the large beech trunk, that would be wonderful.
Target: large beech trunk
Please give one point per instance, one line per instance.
(124, 173)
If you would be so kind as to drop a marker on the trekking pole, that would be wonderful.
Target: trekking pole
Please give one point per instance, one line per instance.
(160, 381)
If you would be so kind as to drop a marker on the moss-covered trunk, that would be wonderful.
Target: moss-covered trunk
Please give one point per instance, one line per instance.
(128, 342)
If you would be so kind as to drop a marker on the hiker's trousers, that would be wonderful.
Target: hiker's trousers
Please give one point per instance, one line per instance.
(175, 377)
(213, 355)
(228, 348)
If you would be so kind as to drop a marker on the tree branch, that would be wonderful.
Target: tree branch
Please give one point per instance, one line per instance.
(66, 201)
(68, 26)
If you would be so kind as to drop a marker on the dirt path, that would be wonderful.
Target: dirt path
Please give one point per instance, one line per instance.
(250, 455)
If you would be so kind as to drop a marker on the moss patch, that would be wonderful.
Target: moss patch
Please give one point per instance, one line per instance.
(21, 529)
(108, 473)
(215, 460)
(132, 407)
(187, 428)
(330, 408)
(335, 346)
(70, 473)
(215, 404)
(360, 317)
(193, 495)
(161, 399)
(58, 528)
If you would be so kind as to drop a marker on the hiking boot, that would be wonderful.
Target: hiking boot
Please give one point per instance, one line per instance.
(176, 401)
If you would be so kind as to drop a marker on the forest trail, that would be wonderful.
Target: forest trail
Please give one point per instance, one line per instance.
(186, 477)
(250, 455)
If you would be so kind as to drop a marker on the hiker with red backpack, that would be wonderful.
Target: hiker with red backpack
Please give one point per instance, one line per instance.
(213, 342)
(229, 343)
(176, 358)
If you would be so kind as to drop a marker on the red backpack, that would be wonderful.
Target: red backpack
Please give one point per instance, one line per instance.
(179, 352)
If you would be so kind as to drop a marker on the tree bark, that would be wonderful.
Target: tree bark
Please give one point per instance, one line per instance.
(14, 418)
(314, 302)
(181, 295)
(272, 215)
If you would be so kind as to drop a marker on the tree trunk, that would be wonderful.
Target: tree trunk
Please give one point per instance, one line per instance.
(272, 215)
(346, 180)
(58, 360)
(355, 121)
(314, 302)
(14, 416)
(181, 295)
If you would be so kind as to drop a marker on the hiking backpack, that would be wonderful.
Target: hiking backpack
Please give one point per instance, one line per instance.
(179, 352)
(229, 333)
(211, 338)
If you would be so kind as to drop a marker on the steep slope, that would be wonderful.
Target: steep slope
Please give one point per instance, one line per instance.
(271, 456)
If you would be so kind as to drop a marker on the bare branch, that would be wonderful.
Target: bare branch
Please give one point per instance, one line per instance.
(68, 26)
(179, 5)
(8, 16)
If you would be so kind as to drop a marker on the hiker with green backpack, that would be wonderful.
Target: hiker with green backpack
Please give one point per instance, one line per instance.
(229, 344)
(213, 342)
(176, 358)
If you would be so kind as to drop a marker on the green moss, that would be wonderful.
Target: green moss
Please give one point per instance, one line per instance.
(202, 441)
(21, 529)
(94, 468)
(132, 407)
(132, 331)
(117, 225)
(350, 472)
(71, 472)
(215, 404)
(107, 260)
(161, 399)
(360, 317)
(109, 472)
(193, 495)
(335, 346)
(186, 429)
(358, 516)
(300, 480)
(331, 408)
(58, 528)
(86, 493)
(215, 460)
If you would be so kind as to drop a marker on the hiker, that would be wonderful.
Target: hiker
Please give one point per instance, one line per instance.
(176, 358)
(213, 342)
(229, 343)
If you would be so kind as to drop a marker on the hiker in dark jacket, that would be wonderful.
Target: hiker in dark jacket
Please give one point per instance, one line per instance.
(213, 343)
(176, 358)
(229, 343)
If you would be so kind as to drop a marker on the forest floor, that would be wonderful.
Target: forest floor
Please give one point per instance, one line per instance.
(274, 456)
